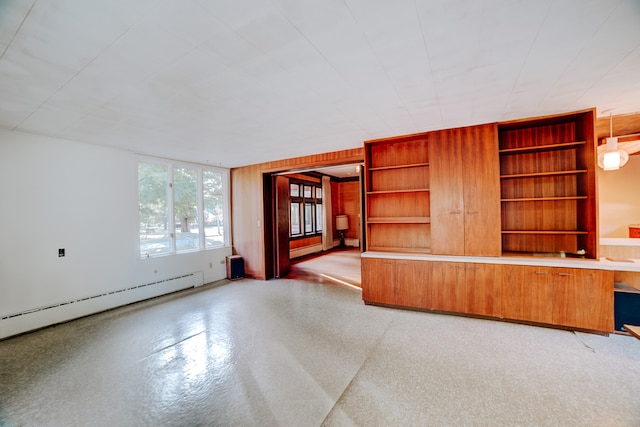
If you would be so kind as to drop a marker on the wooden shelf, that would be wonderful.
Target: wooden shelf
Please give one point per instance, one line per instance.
(549, 232)
(412, 165)
(537, 148)
(399, 220)
(415, 190)
(539, 174)
(544, 199)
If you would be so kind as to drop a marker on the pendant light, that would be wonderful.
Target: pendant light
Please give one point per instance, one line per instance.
(612, 158)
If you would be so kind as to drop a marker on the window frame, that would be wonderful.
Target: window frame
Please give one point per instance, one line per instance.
(303, 201)
(171, 165)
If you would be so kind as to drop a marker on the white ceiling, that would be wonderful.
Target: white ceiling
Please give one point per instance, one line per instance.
(237, 82)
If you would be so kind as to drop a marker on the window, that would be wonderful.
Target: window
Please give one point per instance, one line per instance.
(214, 207)
(181, 208)
(305, 201)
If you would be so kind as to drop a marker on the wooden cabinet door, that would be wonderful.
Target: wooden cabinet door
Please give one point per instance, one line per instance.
(378, 280)
(527, 293)
(484, 289)
(413, 283)
(447, 194)
(448, 286)
(481, 177)
(464, 173)
(583, 299)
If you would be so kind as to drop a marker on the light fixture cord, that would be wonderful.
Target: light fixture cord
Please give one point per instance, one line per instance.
(610, 125)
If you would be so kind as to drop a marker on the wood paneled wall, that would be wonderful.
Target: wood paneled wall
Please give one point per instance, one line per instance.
(349, 204)
(304, 242)
(623, 124)
(247, 205)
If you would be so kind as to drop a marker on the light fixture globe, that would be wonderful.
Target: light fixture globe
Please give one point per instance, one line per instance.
(612, 159)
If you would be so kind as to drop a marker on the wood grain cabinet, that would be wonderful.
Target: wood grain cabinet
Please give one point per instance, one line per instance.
(524, 188)
(448, 287)
(396, 282)
(468, 288)
(465, 191)
(570, 297)
(484, 289)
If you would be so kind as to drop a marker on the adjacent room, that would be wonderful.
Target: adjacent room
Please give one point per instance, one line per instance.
(330, 212)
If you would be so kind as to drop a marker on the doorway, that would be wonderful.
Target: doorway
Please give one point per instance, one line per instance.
(281, 257)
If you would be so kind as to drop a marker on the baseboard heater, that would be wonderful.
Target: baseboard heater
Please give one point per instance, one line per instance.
(190, 279)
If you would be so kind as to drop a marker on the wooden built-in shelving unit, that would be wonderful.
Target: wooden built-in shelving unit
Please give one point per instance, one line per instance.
(472, 199)
(397, 194)
(547, 183)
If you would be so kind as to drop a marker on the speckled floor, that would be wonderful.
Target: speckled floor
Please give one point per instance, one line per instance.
(294, 353)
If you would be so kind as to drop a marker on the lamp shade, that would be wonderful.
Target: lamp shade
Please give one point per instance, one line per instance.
(612, 158)
(342, 222)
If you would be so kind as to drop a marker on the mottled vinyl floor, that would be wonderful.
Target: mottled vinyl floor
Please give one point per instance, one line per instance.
(295, 353)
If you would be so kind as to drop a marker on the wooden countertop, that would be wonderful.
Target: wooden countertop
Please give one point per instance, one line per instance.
(601, 264)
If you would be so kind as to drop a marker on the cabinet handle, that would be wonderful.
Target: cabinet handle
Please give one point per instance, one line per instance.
(542, 272)
(564, 274)
(456, 212)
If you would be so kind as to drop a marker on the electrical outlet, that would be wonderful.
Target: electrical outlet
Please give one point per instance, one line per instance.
(60, 252)
(210, 265)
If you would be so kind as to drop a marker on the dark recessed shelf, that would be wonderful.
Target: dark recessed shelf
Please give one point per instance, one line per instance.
(544, 199)
(538, 148)
(539, 174)
(412, 165)
(414, 190)
(549, 232)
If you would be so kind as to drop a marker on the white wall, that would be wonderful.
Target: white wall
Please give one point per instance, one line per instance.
(619, 198)
(62, 194)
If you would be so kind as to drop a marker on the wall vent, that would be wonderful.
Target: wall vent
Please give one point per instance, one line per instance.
(185, 277)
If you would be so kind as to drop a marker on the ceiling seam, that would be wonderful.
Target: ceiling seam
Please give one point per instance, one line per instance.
(70, 79)
(331, 64)
(524, 63)
(18, 29)
(426, 49)
(386, 73)
(613, 67)
(587, 43)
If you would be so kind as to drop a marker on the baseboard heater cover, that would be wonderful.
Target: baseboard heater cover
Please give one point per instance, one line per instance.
(190, 279)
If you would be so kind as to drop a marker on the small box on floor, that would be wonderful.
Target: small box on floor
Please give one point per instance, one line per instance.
(235, 267)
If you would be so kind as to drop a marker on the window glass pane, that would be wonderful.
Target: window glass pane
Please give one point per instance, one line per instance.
(295, 190)
(295, 219)
(318, 193)
(214, 223)
(307, 191)
(319, 216)
(155, 238)
(185, 208)
(308, 217)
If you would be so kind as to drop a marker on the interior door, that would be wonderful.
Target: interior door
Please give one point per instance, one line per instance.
(281, 222)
